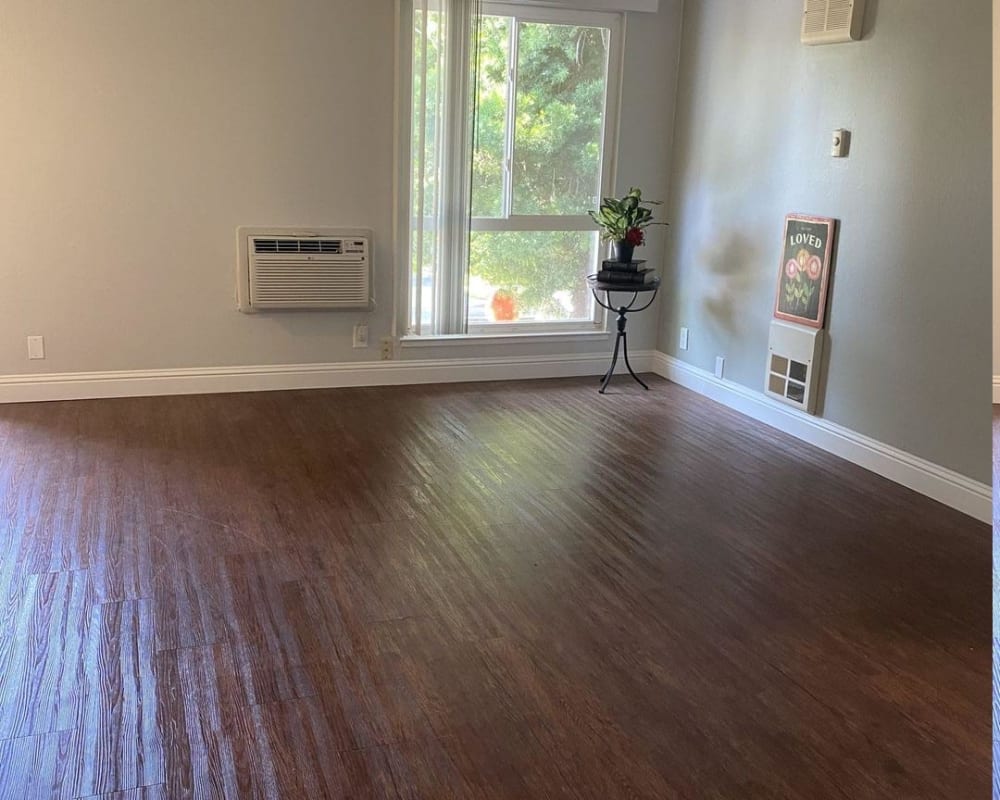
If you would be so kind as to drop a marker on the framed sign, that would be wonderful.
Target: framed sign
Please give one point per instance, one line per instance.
(805, 269)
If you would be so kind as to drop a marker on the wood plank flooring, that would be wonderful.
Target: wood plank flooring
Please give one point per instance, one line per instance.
(519, 590)
(996, 600)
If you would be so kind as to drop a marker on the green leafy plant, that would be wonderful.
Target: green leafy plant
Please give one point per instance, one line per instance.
(619, 217)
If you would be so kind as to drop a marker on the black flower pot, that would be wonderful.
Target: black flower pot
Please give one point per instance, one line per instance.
(624, 251)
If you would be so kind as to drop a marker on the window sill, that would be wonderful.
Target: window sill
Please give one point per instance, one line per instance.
(473, 339)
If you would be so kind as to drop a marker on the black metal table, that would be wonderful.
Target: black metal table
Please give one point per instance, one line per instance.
(621, 339)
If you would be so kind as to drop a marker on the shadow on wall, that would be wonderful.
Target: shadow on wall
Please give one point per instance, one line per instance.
(728, 267)
(730, 276)
(869, 24)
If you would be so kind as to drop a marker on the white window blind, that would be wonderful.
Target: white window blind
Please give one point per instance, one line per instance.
(442, 123)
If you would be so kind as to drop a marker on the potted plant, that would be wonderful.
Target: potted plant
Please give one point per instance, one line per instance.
(622, 222)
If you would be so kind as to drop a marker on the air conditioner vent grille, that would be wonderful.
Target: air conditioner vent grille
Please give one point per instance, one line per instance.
(300, 272)
(298, 245)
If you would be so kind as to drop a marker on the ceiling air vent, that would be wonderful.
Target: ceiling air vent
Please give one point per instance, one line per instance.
(832, 21)
(296, 269)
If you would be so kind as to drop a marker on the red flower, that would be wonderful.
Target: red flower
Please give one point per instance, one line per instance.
(635, 237)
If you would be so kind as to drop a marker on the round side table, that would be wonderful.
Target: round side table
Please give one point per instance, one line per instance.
(621, 340)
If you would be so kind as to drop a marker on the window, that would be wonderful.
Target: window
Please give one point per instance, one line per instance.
(537, 155)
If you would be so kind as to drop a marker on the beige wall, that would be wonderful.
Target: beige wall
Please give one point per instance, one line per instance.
(909, 331)
(136, 137)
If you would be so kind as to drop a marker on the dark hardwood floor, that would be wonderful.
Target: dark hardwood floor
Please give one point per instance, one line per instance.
(996, 601)
(476, 591)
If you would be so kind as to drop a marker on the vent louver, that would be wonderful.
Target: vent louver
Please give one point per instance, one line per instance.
(298, 246)
(832, 21)
(299, 271)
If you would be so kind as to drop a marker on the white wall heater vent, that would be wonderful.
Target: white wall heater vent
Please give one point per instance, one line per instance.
(320, 268)
(832, 21)
(793, 358)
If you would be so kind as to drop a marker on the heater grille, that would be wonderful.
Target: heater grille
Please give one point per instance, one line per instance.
(788, 378)
(793, 359)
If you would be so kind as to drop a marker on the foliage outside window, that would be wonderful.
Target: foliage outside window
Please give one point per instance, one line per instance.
(537, 163)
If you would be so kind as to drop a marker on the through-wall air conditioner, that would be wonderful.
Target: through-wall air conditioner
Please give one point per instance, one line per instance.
(294, 268)
(832, 21)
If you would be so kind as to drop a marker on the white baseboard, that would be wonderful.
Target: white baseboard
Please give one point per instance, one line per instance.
(944, 485)
(210, 380)
(996, 388)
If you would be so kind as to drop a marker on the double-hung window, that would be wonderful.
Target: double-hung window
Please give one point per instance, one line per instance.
(504, 164)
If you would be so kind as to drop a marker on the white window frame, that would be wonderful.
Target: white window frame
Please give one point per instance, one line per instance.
(615, 23)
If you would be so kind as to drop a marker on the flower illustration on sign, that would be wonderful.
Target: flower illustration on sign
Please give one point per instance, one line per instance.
(802, 271)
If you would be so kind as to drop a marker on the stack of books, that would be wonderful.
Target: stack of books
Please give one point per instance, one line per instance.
(627, 273)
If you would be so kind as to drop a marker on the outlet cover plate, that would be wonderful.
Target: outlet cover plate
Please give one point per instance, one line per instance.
(36, 347)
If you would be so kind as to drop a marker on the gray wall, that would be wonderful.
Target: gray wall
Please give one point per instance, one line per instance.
(136, 137)
(996, 190)
(909, 311)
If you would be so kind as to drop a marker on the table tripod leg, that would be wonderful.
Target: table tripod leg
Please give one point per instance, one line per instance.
(631, 371)
(611, 369)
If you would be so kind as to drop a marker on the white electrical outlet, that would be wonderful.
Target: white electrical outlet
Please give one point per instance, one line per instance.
(720, 366)
(360, 336)
(684, 338)
(36, 347)
(386, 348)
